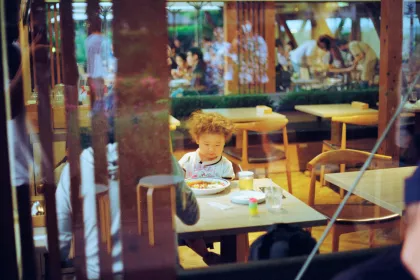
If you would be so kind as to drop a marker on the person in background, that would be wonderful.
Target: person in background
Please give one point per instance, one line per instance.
(303, 56)
(398, 262)
(207, 50)
(189, 214)
(282, 56)
(171, 57)
(183, 70)
(96, 54)
(210, 132)
(178, 45)
(362, 53)
(199, 69)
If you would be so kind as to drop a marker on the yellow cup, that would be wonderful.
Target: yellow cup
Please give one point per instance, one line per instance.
(246, 180)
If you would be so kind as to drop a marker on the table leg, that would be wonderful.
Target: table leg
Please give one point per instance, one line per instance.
(336, 133)
(234, 248)
(239, 138)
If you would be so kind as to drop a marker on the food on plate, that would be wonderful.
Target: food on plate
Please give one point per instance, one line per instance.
(203, 185)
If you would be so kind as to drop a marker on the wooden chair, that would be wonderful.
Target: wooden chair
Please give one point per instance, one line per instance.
(363, 120)
(354, 216)
(252, 157)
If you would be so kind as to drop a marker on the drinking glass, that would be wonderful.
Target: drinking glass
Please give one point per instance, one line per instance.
(273, 199)
(246, 180)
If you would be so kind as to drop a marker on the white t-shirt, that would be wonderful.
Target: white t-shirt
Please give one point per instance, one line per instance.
(301, 54)
(96, 47)
(194, 167)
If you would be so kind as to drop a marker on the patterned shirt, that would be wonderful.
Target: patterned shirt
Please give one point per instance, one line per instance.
(194, 167)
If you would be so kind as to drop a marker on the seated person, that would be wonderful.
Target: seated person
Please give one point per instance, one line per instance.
(199, 74)
(183, 70)
(211, 132)
(188, 214)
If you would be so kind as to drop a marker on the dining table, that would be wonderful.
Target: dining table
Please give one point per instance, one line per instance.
(383, 187)
(328, 111)
(231, 223)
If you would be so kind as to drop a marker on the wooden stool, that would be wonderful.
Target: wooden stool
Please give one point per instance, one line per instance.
(152, 183)
(103, 208)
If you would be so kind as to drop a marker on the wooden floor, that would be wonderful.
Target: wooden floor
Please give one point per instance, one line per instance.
(351, 241)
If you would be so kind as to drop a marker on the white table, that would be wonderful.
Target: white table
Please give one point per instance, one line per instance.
(234, 223)
(383, 187)
(244, 114)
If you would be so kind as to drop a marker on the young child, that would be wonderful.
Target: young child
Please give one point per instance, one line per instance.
(210, 132)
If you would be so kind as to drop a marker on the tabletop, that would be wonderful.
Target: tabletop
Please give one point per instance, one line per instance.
(248, 114)
(236, 220)
(334, 110)
(383, 187)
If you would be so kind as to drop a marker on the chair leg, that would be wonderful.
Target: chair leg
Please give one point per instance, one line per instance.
(335, 239)
(150, 217)
(321, 175)
(371, 238)
(266, 172)
(289, 178)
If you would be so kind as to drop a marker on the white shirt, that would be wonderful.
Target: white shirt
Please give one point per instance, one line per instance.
(301, 54)
(194, 167)
(95, 46)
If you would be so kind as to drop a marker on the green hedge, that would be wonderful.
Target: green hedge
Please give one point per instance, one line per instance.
(182, 107)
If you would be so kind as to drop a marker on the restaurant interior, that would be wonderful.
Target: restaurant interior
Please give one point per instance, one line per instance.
(178, 140)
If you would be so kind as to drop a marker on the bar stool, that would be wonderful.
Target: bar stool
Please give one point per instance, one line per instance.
(153, 183)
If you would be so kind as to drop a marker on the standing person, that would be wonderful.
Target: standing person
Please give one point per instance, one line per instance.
(362, 53)
(210, 132)
(96, 53)
(303, 56)
(189, 214)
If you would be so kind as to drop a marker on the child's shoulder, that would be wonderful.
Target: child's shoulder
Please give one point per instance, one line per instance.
(188, 156)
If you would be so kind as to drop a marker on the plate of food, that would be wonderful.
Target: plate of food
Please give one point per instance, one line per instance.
(207, 186)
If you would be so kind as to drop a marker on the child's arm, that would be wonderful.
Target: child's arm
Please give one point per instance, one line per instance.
(183, 163)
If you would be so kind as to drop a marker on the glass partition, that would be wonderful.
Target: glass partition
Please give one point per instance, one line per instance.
(160, 140)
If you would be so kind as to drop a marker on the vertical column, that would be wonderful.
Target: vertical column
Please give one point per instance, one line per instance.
(269, 36)
(42, 78)
(142, 131)
(230, 27)
(70, 79)
(390, 73)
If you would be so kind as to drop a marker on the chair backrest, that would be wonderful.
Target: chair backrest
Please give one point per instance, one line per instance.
(372, 119)
(263, 126)
(348, 157)
(338, 157)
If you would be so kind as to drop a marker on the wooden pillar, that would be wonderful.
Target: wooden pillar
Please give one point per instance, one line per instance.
(390, 72)
(142, 121)
(269, 36)
(262, 16)
(281, 22)
(26, 62)
(230, 27)
(42, 78)
(355, 34)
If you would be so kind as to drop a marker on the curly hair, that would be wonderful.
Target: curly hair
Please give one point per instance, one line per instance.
(212, 123)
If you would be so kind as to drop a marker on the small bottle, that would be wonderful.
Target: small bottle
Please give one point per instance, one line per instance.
(253, 207)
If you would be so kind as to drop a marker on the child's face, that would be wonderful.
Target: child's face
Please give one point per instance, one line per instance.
(211, 146)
